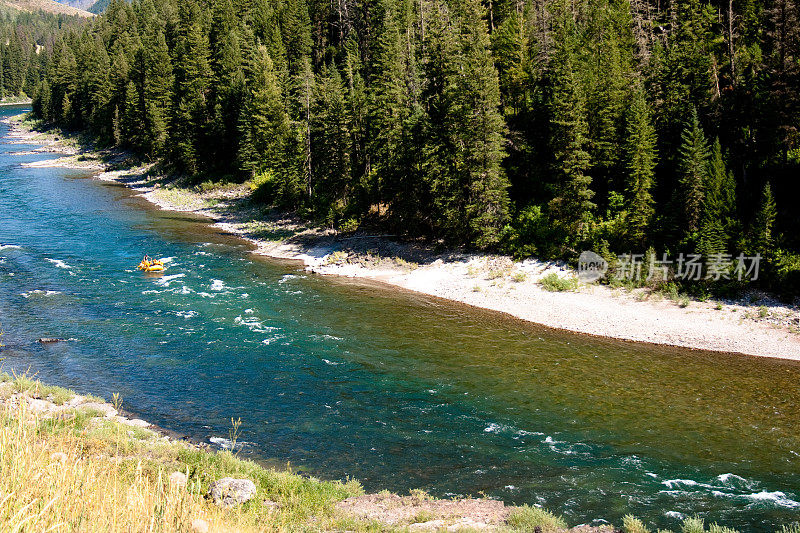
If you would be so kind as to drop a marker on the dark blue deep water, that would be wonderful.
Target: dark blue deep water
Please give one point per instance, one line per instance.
(399, 390)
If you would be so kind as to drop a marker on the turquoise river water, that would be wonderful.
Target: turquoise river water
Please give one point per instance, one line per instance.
(398, 390)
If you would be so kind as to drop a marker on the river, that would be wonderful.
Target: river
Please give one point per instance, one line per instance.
(352, 379)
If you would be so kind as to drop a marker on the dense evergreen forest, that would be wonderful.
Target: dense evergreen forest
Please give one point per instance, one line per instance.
(536, 127)
(26, 44)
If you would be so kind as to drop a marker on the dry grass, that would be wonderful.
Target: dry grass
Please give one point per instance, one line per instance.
(50, 484)
(48, 6)
(77, 471)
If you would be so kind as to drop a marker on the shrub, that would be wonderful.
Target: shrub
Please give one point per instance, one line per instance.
(693, 525)
(495, 274)
(263, 187)
(348, 226)
(531, 233)
(671, 290)
(555, 283)
(784, 274)
(631, 524)
(526, 518)
(336, 257)
(275, 188)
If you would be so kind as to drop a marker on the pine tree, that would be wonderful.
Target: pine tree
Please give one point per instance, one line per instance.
(131, 124)
(717, 215)
(762, 238)
(641, 156)
(394, 176)
(303, 88)
(41, 100)
(608, 68)
(13, 63)
(267, 31)
(98, 85)
(296, 26)
(686, 75)
(571, 208)
(33, 72)
(330, 145)
(441, 202)
(783, 49)
(189, 122)
(228, 84)
(357, 112)
(119, 75)
(482, 130)
(266, 133)
(65, 79)
(465, 131)
(389, 107)
(156, 93)
(510, 45)
(693, 172)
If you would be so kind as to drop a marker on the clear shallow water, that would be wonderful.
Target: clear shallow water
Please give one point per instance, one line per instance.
(398, 390)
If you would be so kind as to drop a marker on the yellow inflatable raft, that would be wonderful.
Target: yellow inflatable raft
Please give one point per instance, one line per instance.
(151, 265)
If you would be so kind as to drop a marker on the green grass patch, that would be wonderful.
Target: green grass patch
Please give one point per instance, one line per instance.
(555, 283)
(527, 518)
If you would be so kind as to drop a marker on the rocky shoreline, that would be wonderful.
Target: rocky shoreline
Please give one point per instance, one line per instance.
(756, 325)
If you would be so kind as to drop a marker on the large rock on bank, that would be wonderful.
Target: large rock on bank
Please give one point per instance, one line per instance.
(229, 491)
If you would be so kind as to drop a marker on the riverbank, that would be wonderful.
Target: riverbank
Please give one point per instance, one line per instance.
(15, 101)
(73, 462)
(754, 325)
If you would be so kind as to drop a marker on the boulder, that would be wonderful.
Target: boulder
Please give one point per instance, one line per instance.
(40, 406)
(229, 491)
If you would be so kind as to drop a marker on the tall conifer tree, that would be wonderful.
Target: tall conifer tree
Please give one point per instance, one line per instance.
(693, 173)
(640, 154)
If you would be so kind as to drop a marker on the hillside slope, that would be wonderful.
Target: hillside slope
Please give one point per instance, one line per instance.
(49, 6)
(79, 4)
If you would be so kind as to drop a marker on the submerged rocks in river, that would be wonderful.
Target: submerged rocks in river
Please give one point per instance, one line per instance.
(229, 491)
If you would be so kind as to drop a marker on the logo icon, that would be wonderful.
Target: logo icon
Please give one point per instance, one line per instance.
(591, 267)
